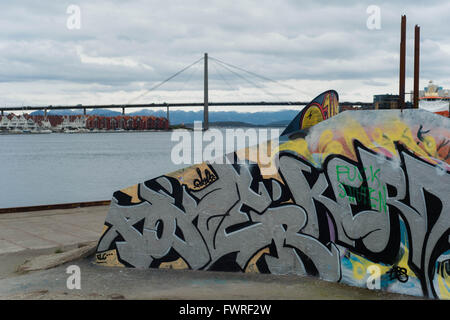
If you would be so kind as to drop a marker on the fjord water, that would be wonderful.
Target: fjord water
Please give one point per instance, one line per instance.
(39, 169)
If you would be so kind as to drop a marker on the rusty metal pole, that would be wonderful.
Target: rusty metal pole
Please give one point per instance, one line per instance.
(416, 65)
(168, 115)
(401, 93)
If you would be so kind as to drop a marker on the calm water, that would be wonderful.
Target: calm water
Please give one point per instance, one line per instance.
(59, 168)
(39, 169)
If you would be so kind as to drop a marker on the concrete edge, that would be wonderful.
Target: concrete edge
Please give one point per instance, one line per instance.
(49, 261)
(55, 206)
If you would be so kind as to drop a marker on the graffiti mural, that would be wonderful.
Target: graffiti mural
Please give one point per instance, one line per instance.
(359, 190)
(322, 107)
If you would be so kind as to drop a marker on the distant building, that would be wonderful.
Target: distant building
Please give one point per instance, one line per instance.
(345, 107)
(385, 101)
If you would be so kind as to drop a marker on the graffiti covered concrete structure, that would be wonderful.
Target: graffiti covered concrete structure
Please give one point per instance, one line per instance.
(361, 198)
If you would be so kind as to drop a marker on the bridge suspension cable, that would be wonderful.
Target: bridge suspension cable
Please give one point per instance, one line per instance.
(227, 66)
(245, 79)
(195, 70)
(257, 75)
(164, 81)
(223, 78)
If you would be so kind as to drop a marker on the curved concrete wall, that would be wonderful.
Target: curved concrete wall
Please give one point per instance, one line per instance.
(362, 199)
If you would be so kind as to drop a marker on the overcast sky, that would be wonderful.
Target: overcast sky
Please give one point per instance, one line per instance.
(123, 48)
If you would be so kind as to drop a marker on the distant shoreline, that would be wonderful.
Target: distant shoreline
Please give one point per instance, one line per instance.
(89, 132)
(188, 127)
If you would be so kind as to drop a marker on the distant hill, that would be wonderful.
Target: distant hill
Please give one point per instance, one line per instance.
(99, 112)
(277, 118)
(143, 112)
(220, 118)
(104, 113)
(226, 124)
(67, 112)
(282, 123)
(237, 124)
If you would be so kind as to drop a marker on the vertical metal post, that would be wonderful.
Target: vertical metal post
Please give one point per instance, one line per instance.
(205, 95)
(401, 93)
(123, 111)
(45, 113)
(84, 111)
(2, 113)
(168, 116)
(416, 65)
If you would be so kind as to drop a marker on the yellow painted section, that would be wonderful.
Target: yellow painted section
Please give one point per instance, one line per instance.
(429, 145)
(312, 117)
(105, 227)
(360, 267)
(299, 146)
(327, 145)
(108, 258)
(178, 264)
(396, 130)
(359, 270)
(403, 263)
(267, 165)
(133, 193)
(444, 285)
(334, 109)
(355, 131)
(251, 266)
(190, 176)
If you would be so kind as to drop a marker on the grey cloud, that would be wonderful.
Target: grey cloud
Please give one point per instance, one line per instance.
(283, 40)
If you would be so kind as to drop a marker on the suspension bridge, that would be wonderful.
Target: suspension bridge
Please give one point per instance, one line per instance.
(238, 72)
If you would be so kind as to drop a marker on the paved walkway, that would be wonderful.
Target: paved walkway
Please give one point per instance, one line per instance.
(50, 229)
(20, 232)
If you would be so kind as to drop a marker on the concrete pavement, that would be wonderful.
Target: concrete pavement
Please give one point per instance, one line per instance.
(25, 236)
(98, 282)
(48, 229)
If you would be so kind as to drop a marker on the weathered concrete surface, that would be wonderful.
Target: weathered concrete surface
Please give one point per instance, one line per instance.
(25, 236)
(49, 261)
(123, 283)
(62, 228)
